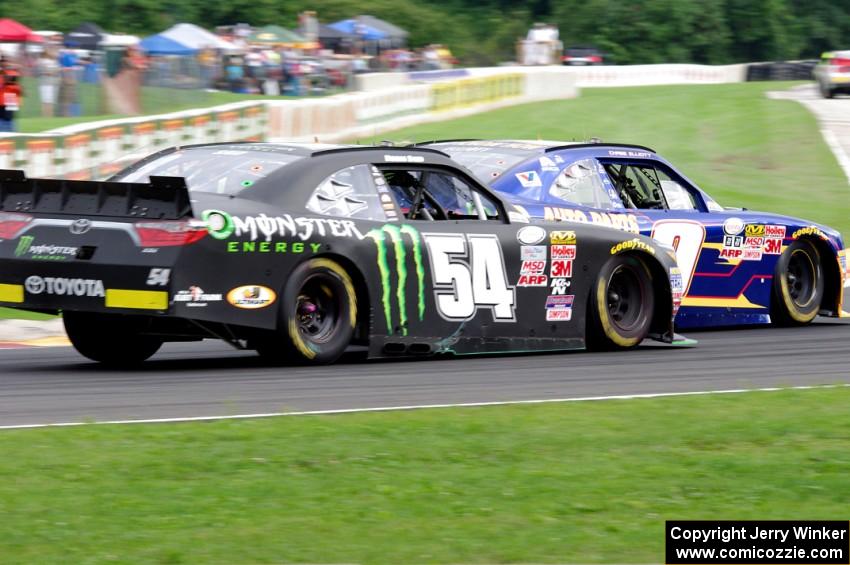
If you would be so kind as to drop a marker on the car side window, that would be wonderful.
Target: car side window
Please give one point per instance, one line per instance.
(349, 193)
(649, 187)
(580, 183)
(425, 194)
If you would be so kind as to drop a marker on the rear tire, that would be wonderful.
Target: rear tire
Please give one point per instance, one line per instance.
(825, 91)
(318, 315)
(797, 285)
(111, 339)
(622, 303)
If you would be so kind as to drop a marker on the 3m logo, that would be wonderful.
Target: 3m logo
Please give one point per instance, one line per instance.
(561, 268)
(773, 246)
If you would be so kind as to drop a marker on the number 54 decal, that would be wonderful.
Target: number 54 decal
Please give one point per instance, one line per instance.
(469, 273)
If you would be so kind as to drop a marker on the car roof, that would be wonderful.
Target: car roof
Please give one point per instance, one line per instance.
(530, 145)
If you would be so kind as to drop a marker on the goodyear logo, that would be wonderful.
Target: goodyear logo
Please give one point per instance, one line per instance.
(632, 244)
(562, 237)
(392, 237)
(811, 230)
(754, 230)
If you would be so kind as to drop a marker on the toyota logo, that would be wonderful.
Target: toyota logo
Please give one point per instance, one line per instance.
(80, 226)
(34, 284)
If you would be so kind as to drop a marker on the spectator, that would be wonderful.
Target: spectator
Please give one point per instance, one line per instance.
(12, 99)
(48, 82)
(68, 103)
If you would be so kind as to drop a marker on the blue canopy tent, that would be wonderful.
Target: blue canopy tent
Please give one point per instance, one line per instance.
(363, 31)
(161, 45)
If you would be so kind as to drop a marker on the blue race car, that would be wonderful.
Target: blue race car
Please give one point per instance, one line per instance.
(737, 266)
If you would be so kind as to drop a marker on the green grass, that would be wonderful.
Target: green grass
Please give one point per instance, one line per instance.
(13, 313)
(580, 482)
(741, 147)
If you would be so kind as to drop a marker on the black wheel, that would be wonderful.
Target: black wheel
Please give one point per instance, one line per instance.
(318, 315)
(111, 339)
(797, 285)
(825, 91)
(621, 304)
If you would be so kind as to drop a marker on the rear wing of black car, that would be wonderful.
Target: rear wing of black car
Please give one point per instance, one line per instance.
(163, 198)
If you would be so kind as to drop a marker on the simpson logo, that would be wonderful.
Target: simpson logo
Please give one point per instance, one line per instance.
(533, 252)
(530, 235)
(532, 267)
(64, 287)
(754, 230)
(559, 314)
(774, 231)
(532, 280)
(529, 179)
(563, 252)
(751, 255)
(561, 268)
(251, 297)
(562, 238)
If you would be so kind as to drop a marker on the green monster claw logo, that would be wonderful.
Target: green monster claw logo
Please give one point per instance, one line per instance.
(395, 234)
(23, 245)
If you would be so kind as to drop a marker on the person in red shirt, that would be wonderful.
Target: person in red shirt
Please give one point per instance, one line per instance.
(11, 95)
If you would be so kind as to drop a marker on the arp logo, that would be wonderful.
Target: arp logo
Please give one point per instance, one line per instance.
(731, 253)
(532, 280)
(561, 268)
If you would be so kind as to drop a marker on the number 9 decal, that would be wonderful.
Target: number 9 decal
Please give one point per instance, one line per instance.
(686, 237)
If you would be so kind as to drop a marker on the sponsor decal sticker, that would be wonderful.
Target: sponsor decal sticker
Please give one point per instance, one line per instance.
(625, 222)
(731, 253)
(773, 246)
(404, 158)
(733, 241)
(754, 242)
(392, 236)
(559, 286)
(196, 297)
(559, 314)
(751, 254)
(26, 249)
(810, 230)
(632, 244)
(548, 165)
(533, 252)
(733, 226)
(251, 297)
(529, 179)
(532, 280)
(530, 235)
(754, 230)
(562, 237)
(532, 267)
(774, 231)
(563, 252)
(561, 268)
(559, 300)
(59, 286)
(158, 277)
(222, 226)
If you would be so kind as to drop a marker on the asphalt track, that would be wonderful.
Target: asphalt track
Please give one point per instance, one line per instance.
(55, 385)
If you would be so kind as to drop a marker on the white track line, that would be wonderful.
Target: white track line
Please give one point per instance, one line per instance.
(422, 407)
(837, 150)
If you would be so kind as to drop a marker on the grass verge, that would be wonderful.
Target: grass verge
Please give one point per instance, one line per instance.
(13, 313)
(580, 482)
(741, 147)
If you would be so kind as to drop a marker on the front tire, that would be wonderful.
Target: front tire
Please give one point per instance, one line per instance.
(318, 315)
(797, 285)
(111, 339)
(622, 302)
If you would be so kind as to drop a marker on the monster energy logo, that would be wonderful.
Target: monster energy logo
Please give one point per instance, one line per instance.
(395, 236)
(23, 245)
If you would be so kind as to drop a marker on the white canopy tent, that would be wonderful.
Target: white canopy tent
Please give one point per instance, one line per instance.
(196, 37)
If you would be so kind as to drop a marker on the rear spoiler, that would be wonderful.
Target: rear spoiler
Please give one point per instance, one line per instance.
(163, 198)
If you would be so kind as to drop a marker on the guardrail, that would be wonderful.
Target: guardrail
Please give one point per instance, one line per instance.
(97, 149)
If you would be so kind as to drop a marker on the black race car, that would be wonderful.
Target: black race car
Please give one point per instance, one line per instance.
(299, 251)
